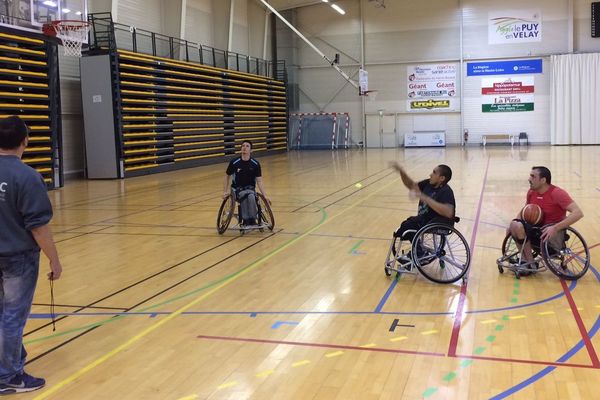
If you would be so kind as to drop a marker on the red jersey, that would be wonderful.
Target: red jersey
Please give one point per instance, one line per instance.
(553, 202)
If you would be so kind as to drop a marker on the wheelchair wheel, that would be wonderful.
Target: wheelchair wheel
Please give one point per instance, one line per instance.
(441, 253)
(225, 214)
(567, 258)
(265, 214)
(511, 253)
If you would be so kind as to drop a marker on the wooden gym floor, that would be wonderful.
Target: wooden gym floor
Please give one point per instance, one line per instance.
(154, 304)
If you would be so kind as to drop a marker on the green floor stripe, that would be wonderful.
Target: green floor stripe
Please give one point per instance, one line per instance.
(505, 318)
(514, 300)
(429, 392)
(466, 363)
(490, 338)
(499, 327)
(516, 291)
(355, 246)
(479, 350)
(449, 377)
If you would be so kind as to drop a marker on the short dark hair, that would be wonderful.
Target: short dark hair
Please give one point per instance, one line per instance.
(446, 172)
(544, 173)
(249, 142)
(13, 132)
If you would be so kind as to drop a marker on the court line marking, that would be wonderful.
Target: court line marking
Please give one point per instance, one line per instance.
(582, 329)
(465, 357)
(176, 313)
(463, 290)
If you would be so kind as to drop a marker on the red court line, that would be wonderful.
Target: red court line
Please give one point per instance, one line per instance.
(463, 290)
(531, 362)
(584, 334)
(396, 351)
(323, 345)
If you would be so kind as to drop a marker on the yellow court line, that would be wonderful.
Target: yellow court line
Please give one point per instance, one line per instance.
(546, 313)
(399, 338)
(368, 345)
(334, 354)
(300, 363)
(190, 397)
(186, 307)
(431, 332)
(227, 385)
(265, 373)
(519, 316)
(488, 321)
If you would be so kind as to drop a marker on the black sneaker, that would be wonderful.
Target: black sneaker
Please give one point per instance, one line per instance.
(22, 383)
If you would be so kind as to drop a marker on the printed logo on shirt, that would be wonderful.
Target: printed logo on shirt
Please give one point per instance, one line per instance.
(3, 188)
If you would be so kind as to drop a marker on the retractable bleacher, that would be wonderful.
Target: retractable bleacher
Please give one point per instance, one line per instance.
(29, 88)
(146, 114)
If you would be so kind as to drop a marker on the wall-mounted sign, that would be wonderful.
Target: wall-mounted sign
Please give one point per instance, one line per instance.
(510, 27)
(532, 66)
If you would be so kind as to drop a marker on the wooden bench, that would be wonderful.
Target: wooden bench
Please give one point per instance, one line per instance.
(499, 136)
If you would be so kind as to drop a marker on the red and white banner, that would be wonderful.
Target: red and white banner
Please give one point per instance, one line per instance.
(496, 86)
(507, 94)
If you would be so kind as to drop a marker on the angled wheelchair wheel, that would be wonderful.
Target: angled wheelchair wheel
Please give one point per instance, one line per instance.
(568, 256)
(264, 212)
(441, 253)
(511, 253)
(225, 214)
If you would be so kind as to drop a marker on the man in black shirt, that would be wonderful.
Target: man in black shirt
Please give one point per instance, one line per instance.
(246, 174)
(436, 200)
(25, 212)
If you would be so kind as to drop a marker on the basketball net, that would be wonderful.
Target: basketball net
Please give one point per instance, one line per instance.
(71, 33)
(371, 95)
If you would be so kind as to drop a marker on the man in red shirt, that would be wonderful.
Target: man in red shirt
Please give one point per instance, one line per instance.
(554, 202)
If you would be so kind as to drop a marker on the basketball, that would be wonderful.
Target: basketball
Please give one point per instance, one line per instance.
(532, 213)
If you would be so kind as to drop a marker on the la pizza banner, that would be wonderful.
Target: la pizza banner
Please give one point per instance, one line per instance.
(507, 95)
(431, 87)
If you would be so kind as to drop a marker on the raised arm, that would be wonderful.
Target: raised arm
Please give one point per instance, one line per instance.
(406, 180)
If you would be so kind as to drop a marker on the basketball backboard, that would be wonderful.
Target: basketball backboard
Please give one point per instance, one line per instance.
(32, 14)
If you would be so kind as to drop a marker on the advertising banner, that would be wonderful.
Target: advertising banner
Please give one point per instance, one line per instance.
(512, 67)
(510, 27)
(431, 87)
(507, 95)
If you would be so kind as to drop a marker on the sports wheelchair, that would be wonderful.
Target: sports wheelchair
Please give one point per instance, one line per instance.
(566, 255)
(437, 250)
(228, 210)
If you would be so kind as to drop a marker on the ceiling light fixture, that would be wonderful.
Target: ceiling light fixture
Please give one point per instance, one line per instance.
(338, 9)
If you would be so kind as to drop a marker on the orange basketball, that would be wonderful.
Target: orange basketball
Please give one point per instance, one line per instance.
(532, 213)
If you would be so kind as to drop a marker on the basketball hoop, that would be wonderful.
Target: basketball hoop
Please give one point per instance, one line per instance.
(371, 95)
(72, 34)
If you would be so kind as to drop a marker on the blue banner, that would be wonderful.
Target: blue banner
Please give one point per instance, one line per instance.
(505, 67)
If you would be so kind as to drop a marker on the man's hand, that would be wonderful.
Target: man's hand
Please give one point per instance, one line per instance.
(548, 232)
(55, 270)
(395, 165)
(226, 195)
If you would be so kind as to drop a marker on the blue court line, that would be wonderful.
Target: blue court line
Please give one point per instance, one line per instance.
(253, 314)
(556, 296)
(386, 296)
(547, 370)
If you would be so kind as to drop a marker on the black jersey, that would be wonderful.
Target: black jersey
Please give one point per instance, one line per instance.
(244, 172)
(442, 194)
